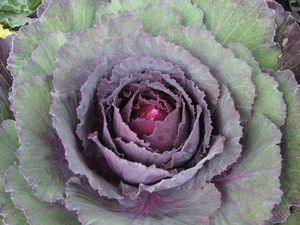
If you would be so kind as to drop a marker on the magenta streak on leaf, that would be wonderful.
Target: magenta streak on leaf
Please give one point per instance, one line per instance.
(53, 141)
(56, 157)
(148, 204)
(228, 179)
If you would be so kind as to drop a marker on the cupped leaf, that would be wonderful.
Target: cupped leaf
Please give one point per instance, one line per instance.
(241, 21)
(229, 70)
(132, 172)
(8, 147)
(268, 100)
(41, 155)
(139, 64)
(200, 135)
(188, 174)
(227, 122)
(86, 112)
(64, 117)
(290, 178)
(141, 154)
(157, 47)
(37, 212)
(251, 187)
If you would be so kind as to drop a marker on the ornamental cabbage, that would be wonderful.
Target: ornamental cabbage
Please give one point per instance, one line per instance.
(153, 112)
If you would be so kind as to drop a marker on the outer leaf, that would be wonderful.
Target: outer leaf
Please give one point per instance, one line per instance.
(233, 72)
(287, 35)
(42, 58)
(156, 15)
(5, 113)
(82, 59)
(5, 78)
(248, 22)
(251, 188)
(268, 100)
(294, 218)
(90, 208)
(8, 147)
(11, 16)
(290, 178)
(36, 211)
(193, 206)
(43, 7)
(60, 16)
(15, 13)
(42, 62)
(5, 47)
(117, 6)
(41, 154)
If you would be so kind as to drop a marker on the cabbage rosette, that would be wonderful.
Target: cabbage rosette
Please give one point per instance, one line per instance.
(153, 112)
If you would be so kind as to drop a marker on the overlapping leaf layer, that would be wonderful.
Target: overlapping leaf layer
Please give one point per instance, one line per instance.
(223, 144)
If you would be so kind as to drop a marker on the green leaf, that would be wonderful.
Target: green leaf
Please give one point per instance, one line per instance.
(290, 178)
(75, 60)
(5, 112)
(8, 147)
(5, 78)
(157, 16)
(37, 212)
(35, 46)
(91, 208)
(294, 218)
(268, 100)
(232, 72)
(42, 58)
(119, 6)
(251, 23)
(251, 187)
(12, 215)
(15, 13)
(41, 155)
(61, 16)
